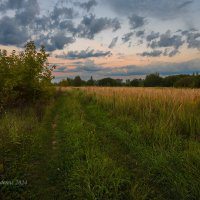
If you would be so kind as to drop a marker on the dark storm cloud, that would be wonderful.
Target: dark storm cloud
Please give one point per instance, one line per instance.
(136, 21)
(113, 43)
(155, 53)
(162, 9)
(88, 5)
(85, 54)
(90, 26)
(127, 37)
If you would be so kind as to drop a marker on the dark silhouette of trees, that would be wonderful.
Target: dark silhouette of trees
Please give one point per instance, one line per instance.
(135, 83)
(108, 82)
(91, 82)
(77, 82)
(153, 80)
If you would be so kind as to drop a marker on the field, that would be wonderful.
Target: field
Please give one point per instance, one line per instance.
(98, 143)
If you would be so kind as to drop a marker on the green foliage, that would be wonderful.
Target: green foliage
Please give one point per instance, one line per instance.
(188, 81)
(25, 76)
(77, 81)
(64, 83)
(86, 147)
(135, 83)
(153, 80)
(91, 82)
(107, 82)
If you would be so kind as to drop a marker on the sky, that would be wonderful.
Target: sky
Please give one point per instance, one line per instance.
(107, 38)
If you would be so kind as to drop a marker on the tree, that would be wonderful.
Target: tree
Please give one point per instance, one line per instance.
(64, 83)
(77, 81)
(153, 80)
(25, 76)
(90, 82)
(135, 83)
(107, 82)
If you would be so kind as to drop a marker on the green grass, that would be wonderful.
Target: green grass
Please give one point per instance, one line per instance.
(83, 149)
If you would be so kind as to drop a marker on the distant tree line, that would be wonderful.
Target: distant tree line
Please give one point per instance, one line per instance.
(151, 80)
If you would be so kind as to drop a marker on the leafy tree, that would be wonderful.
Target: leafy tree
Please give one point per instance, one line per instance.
(153, 80)
(77, 81)
(25, 76)
(64, 83)
(135, 83)
(188, 81)
(107, 82)
(90, 82)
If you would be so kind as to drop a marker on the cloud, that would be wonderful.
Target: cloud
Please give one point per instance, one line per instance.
(158, 53)
(127, 37)
(71, 55)
(56, 41)
(160, 9)
(152, 36)
(155, 53)
(11, 33)
(59, 40)
(90, 26)
(61, 69)
(64, 12)
(140, 34)
(54, 29)
(167, 40)
(185, 4)
(171, 53)
(12, 5)
(88, 5)
(27, 15)
(136, 21)
(163, 69)
(113, 43)
(87, 66)
(193, 40)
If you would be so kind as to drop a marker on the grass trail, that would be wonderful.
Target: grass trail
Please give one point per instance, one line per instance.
(82, 151)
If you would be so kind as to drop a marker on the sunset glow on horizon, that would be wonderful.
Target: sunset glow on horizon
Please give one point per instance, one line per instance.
(107, 38)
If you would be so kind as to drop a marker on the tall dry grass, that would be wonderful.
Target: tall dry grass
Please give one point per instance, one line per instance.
(161, 129)
(160, 110)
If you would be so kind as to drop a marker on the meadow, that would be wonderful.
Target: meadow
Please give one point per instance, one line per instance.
(104, 143)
